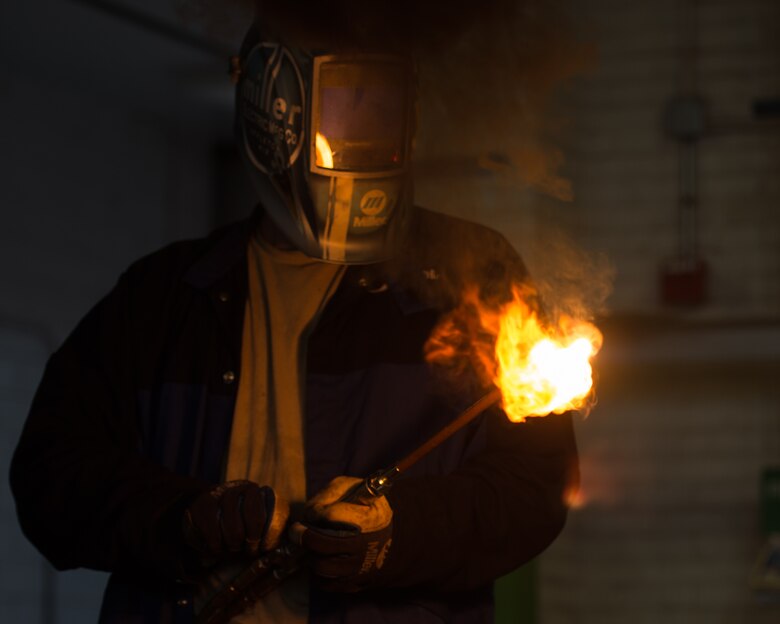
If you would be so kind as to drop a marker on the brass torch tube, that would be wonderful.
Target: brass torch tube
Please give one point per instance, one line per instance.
(487, 401)
(379, 482)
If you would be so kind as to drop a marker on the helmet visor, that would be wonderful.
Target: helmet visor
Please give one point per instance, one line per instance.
(361, 108)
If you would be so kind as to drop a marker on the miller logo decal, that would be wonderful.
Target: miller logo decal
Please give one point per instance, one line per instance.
(375, 556)
(372, 205)
(271, 108)
(373, 202)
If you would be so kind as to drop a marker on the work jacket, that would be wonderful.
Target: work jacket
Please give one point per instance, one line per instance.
(133, 416)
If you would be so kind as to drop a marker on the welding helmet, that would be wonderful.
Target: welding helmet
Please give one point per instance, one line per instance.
(327, 139)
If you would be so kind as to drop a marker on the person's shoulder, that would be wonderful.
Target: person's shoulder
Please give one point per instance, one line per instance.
(439, 225)
(443, 255)
(458, 244)
(180, 259)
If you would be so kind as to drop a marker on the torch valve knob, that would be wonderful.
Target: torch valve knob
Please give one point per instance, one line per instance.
(381, 481)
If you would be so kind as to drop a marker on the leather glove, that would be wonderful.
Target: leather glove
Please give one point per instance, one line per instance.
(346, 542)
(235, 517)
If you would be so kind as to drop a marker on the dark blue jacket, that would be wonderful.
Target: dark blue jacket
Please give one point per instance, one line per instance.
(133, 417)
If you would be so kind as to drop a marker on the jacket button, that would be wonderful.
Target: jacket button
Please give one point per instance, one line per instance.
(224, 297)
(229, 377)
(183, 602)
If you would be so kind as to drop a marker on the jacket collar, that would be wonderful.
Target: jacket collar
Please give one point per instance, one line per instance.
(228, 250)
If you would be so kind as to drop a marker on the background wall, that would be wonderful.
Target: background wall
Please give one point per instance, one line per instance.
(669, 527)
(108, 154)
(116, 142)
(688, 413)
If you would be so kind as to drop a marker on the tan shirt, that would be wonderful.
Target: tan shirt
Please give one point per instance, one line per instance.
(287, 293)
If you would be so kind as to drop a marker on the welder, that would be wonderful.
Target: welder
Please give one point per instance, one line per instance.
(208, 409)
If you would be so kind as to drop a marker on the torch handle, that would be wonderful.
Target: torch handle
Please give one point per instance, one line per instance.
(266, 573)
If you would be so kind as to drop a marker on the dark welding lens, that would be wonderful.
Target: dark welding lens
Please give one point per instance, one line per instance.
(360, 114)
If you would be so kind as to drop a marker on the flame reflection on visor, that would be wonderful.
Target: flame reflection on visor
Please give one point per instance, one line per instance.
(360, 112)
(324, 153)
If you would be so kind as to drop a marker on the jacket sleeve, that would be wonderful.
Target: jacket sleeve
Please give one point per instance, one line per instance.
(85, 494)
(502, 508)
(504, 505)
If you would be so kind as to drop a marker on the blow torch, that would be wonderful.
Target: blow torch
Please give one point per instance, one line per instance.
(265, 574)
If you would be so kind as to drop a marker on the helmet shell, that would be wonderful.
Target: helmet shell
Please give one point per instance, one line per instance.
(351, 215)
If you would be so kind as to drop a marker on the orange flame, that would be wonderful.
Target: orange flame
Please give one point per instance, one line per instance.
(540, 368)
(543, 370)
(324, 153)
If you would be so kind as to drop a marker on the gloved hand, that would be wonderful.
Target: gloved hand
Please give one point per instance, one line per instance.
(346, 542)
(234, 517)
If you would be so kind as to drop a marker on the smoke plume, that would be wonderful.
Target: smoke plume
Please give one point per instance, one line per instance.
(488, 70)
(491, 75)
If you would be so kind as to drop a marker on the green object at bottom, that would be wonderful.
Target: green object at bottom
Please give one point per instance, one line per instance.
(515, 596)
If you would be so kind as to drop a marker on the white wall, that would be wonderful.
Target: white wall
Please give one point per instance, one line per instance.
(87, 187)
(22, 355)
(625, 167)
(689, 410)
